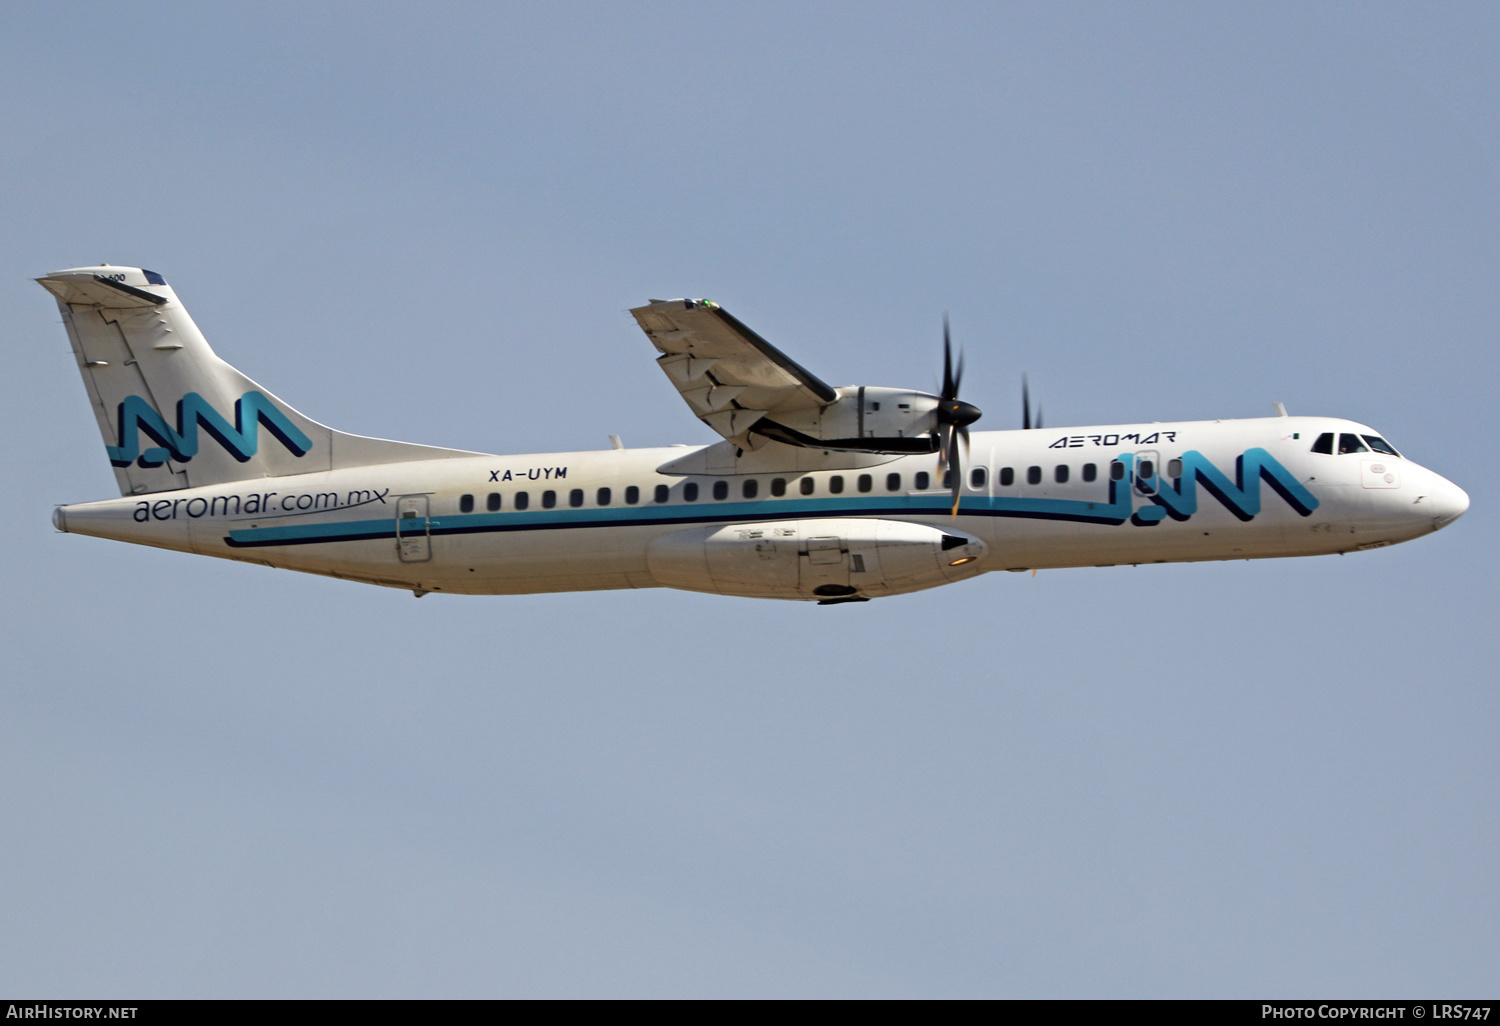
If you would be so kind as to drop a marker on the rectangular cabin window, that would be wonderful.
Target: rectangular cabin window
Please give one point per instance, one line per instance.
(1090, 472)
(893, 482)
(549, 499)
(1174, 469)
(806, 486)
(864, 482)
(920, 480)
(492, 502)
(575, 497)
(690, 492)
(1060, 473)
(1117, 471)
(466, 503)
(523, 499)
(836, 484)
(721, 490)
(1007, 476)
(778, 486)
(602, 496)
(632, 495)
(948, 479)
(1034, 475)
(662, 494)
(1324, 444)
(977, 478)
(750, 488)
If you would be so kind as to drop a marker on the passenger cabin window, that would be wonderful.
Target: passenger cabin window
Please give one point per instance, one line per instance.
(1090, 472)
(1349, 444)
(602, 496)
(893, 482)
(920, 480)
(1145, 470)
(690, 492)
(662, 494)
(751, 488)
(632, 495)
(806, 486)
(1060, 473)
(575, 497)
(549, 499)
(492, 501)
(1381, 445)
(1324, 444)
(778, 486)
(836, 484)
(865, 482)
(721, 490)
(948, 478)
(523, 499)
(466, 503)
(1033, 475)
(1007, 476)
(1117, 471)
(978, 477)
(1174, 468)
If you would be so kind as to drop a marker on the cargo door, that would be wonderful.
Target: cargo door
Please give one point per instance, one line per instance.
(1148, 471)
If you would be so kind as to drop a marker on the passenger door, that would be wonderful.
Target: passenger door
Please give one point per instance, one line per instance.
(413, 533)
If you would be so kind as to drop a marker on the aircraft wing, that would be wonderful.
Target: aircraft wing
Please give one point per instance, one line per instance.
(729, 375)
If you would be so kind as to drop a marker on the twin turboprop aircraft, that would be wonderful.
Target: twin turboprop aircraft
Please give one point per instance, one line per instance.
(815, 493)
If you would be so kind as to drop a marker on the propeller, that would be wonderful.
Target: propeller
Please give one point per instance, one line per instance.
(1026, 424)
(953, 417)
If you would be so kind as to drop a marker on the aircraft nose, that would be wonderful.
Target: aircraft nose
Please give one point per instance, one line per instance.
(1449, 502)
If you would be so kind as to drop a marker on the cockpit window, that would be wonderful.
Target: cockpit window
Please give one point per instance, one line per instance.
(1350, 443)
(1381, 445)
(1324, 444)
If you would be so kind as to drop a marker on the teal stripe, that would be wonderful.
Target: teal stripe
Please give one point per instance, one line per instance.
(783, 509)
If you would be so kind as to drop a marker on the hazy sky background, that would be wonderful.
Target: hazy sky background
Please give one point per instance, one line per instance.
(1231, 779)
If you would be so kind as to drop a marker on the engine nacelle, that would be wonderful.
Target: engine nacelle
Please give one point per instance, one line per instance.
(861, 419)
(829, 559)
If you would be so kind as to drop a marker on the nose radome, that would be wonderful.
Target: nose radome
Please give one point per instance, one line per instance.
(1449, 502)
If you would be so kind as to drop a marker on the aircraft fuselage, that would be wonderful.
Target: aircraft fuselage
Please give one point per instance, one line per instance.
(1038, 499)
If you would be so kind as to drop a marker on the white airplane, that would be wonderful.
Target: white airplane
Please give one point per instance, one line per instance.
(816, 493)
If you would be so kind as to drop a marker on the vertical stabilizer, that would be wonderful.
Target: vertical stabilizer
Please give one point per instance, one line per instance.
(173, 414)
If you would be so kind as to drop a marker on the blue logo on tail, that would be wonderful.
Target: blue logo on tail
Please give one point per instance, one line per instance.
(241, 439)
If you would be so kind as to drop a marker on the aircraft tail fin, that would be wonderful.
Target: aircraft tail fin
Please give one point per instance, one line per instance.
(172, 413)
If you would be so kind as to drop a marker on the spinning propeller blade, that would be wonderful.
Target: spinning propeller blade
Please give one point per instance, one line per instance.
(953, 417)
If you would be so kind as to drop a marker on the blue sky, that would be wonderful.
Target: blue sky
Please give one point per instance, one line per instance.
(1236, 779)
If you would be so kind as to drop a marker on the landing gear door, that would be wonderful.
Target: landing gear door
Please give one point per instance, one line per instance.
(824, 567)
(413, 534)
(1148, 471)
